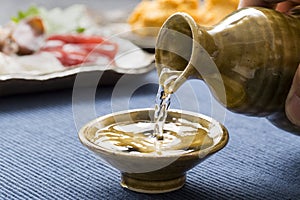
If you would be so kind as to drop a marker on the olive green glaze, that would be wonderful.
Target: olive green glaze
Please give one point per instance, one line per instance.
(153, 173)
(256, 51)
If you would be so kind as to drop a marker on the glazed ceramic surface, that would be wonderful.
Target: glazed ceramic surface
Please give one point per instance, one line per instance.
(248, 60)
(153, 173)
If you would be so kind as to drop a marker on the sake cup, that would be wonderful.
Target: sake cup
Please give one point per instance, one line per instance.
(153, 173)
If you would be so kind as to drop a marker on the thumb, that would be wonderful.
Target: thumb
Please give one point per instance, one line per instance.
(292, 105)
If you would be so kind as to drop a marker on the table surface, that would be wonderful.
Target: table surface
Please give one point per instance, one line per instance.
(41, 156)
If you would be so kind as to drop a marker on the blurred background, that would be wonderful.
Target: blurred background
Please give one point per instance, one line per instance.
(9, 8)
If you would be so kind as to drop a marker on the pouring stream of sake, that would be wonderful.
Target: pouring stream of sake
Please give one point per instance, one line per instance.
(160, 136)
(163, 100)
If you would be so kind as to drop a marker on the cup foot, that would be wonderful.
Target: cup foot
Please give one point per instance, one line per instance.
(150, 186)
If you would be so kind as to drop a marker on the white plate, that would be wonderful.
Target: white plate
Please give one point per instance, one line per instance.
(130, 60)
(123, 30)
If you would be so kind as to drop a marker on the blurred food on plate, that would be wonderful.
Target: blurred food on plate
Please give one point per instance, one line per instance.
(38, 41)
(153, 13)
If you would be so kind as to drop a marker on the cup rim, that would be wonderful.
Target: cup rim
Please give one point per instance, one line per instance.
(207, 151)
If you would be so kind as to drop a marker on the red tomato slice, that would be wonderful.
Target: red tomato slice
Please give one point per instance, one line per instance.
(109, 50)
(77, 49)
(68, 59)
(77, 39)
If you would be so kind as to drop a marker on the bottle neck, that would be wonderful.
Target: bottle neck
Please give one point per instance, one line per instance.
(203, 55)
(184, 50)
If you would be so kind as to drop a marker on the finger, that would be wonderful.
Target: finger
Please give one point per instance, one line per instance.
(261, 3)
(286, 6)
(292, 107)
(297, 2)
(273, 1)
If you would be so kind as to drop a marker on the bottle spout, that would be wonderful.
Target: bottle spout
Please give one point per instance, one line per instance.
(183, 51)
(170, 79)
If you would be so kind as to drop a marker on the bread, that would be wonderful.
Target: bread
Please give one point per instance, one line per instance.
(148, 16)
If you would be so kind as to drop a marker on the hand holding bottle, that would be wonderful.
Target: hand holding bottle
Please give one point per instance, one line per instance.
(280, 5)
(292, 106)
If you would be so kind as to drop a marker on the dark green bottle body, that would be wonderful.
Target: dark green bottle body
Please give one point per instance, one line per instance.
(256, 51)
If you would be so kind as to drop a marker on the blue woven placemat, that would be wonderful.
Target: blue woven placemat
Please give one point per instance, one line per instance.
(42, 158)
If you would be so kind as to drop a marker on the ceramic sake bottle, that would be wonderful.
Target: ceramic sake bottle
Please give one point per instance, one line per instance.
(248, 60)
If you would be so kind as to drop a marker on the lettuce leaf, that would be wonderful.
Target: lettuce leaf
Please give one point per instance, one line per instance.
(73, 19)
(30, 12)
